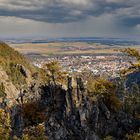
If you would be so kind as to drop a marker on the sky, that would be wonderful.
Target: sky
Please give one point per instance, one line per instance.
(69, 18)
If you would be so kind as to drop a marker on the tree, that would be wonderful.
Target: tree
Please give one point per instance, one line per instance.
(55, 72)
(132, 101)
(35, 133)
(5, 127)
(134, 136)
(132, 97)
(105, 89)
(134, 54)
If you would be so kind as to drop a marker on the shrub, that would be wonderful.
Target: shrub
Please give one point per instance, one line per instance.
(5, 127)
(35, 133)
(134, 136)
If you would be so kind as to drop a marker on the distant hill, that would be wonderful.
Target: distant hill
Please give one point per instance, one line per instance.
(100, 40)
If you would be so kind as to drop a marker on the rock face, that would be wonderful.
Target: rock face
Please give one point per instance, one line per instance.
(89, 121)
(10, 90)
(67, 119)
(17, 121)
(133, 78)
(23, 70)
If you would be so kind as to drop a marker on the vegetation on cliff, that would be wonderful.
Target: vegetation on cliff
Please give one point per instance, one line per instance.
(102, 88)
(2, 90)
(9, 61)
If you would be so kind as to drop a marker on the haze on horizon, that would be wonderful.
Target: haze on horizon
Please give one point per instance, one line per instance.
(69, 18)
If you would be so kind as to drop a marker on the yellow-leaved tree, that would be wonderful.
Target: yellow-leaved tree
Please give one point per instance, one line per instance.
(55, 72)
(5, 125)
(134, 60)
(35, 133)
(100, 87)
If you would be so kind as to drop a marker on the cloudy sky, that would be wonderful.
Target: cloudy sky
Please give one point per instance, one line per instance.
(69, 18)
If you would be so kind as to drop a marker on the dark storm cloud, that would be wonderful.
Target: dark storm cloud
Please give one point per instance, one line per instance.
(126, 12)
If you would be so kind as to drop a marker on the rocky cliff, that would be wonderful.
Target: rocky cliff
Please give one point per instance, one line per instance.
(70, 113)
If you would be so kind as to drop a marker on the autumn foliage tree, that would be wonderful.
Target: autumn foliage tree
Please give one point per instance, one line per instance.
(35, 133)
(105, 89)
(134, 60)
(5, 125)
(55, 72)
